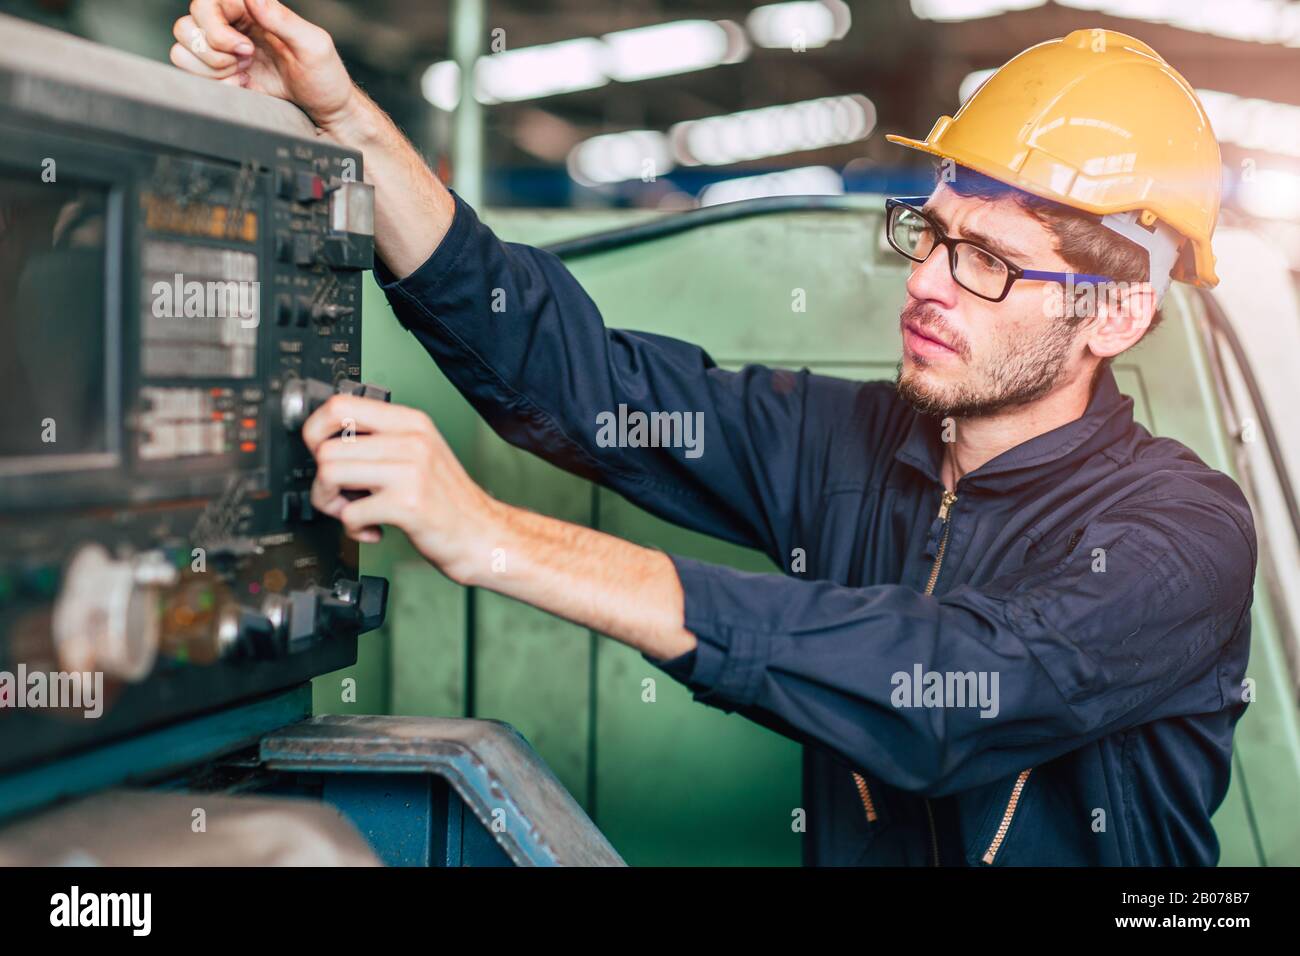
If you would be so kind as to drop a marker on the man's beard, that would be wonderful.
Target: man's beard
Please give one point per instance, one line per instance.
(1023, 371)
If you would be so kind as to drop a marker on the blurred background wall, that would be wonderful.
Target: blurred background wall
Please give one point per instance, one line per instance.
(650, 103)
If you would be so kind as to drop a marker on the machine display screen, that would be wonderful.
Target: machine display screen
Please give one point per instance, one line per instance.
(200, 311)
(52, 324)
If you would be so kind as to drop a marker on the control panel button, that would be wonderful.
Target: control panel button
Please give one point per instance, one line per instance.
(284, 182)
(352, 209)
(304, 250)
(348, 251)
(308, 187)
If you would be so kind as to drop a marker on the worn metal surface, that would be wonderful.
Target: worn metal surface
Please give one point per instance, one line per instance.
(165, 828)
(498, 776)
(38, 54)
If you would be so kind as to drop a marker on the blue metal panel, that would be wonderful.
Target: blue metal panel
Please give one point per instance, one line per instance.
(393, 811)
(152, 754)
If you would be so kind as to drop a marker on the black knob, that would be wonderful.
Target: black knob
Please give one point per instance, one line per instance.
(302, 396)
(372, 602)
(357, 606)
(365, 390)
(245, 632)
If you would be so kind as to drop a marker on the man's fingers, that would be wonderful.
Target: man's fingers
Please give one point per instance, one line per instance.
(194, 38)
(361, 519)
(213, 18)
(352, 415)
(190, 63)
(333, 478)
(306, 40)
(388, 446)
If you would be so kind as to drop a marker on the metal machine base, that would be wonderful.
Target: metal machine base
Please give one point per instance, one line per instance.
(436, 791)
(402, 791)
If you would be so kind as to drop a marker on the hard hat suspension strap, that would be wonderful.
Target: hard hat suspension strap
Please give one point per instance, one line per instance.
(1160, 241)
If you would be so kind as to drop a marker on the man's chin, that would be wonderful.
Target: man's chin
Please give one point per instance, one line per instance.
(921, 395)
(919, 388)
(919, 385)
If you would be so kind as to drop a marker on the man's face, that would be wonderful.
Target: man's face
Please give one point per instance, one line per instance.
(965, 356)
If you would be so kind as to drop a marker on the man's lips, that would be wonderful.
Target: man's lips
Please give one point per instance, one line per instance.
(924, 342)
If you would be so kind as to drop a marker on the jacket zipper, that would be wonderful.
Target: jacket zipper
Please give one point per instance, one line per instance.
(864, 792)
(945, 506)
(1007, 814)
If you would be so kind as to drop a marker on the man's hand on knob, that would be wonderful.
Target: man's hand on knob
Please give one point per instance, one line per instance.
(414, 482)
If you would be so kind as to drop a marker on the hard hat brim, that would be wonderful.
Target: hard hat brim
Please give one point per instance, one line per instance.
(1205, 275)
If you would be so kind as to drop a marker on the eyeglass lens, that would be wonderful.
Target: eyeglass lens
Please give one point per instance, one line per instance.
(973, 268)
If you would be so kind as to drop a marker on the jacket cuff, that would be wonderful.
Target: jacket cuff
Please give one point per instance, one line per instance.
(727, 666)
(423, 285)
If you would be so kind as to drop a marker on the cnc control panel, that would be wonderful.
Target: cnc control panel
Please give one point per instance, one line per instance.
(178, 290)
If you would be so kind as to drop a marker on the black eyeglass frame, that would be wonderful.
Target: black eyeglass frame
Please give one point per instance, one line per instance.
(913, 204)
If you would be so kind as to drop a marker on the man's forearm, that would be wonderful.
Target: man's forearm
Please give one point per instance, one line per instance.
(413, 210)
(628, 592)
(612, 586)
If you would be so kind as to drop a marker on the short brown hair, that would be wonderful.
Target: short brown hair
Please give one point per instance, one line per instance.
(1082, 241)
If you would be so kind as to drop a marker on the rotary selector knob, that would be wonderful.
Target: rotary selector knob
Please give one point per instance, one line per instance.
(106, 615)
(302, 396)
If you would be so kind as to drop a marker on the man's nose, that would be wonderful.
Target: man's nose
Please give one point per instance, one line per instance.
(932, 281)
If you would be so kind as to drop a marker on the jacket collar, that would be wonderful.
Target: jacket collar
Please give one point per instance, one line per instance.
(1107, 418)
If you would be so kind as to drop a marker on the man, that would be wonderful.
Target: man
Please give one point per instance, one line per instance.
(1081, 589)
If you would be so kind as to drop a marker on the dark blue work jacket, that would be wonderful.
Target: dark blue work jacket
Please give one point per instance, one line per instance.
(1046, 671)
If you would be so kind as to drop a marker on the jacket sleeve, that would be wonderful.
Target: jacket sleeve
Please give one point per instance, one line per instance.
(1070, 650)
(517, 335)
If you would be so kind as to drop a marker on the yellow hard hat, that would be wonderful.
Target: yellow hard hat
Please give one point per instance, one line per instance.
(1099, 122)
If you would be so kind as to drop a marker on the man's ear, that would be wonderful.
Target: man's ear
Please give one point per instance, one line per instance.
(1124, 313)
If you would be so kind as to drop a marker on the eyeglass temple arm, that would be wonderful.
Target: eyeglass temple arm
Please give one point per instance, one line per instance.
(1076, 277)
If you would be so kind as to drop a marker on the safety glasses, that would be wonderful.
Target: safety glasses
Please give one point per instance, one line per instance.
(913, 234)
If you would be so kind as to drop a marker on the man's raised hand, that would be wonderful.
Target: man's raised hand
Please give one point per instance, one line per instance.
(266, 47)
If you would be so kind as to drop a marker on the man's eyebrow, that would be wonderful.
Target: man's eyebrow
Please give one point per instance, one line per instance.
(979, 238)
